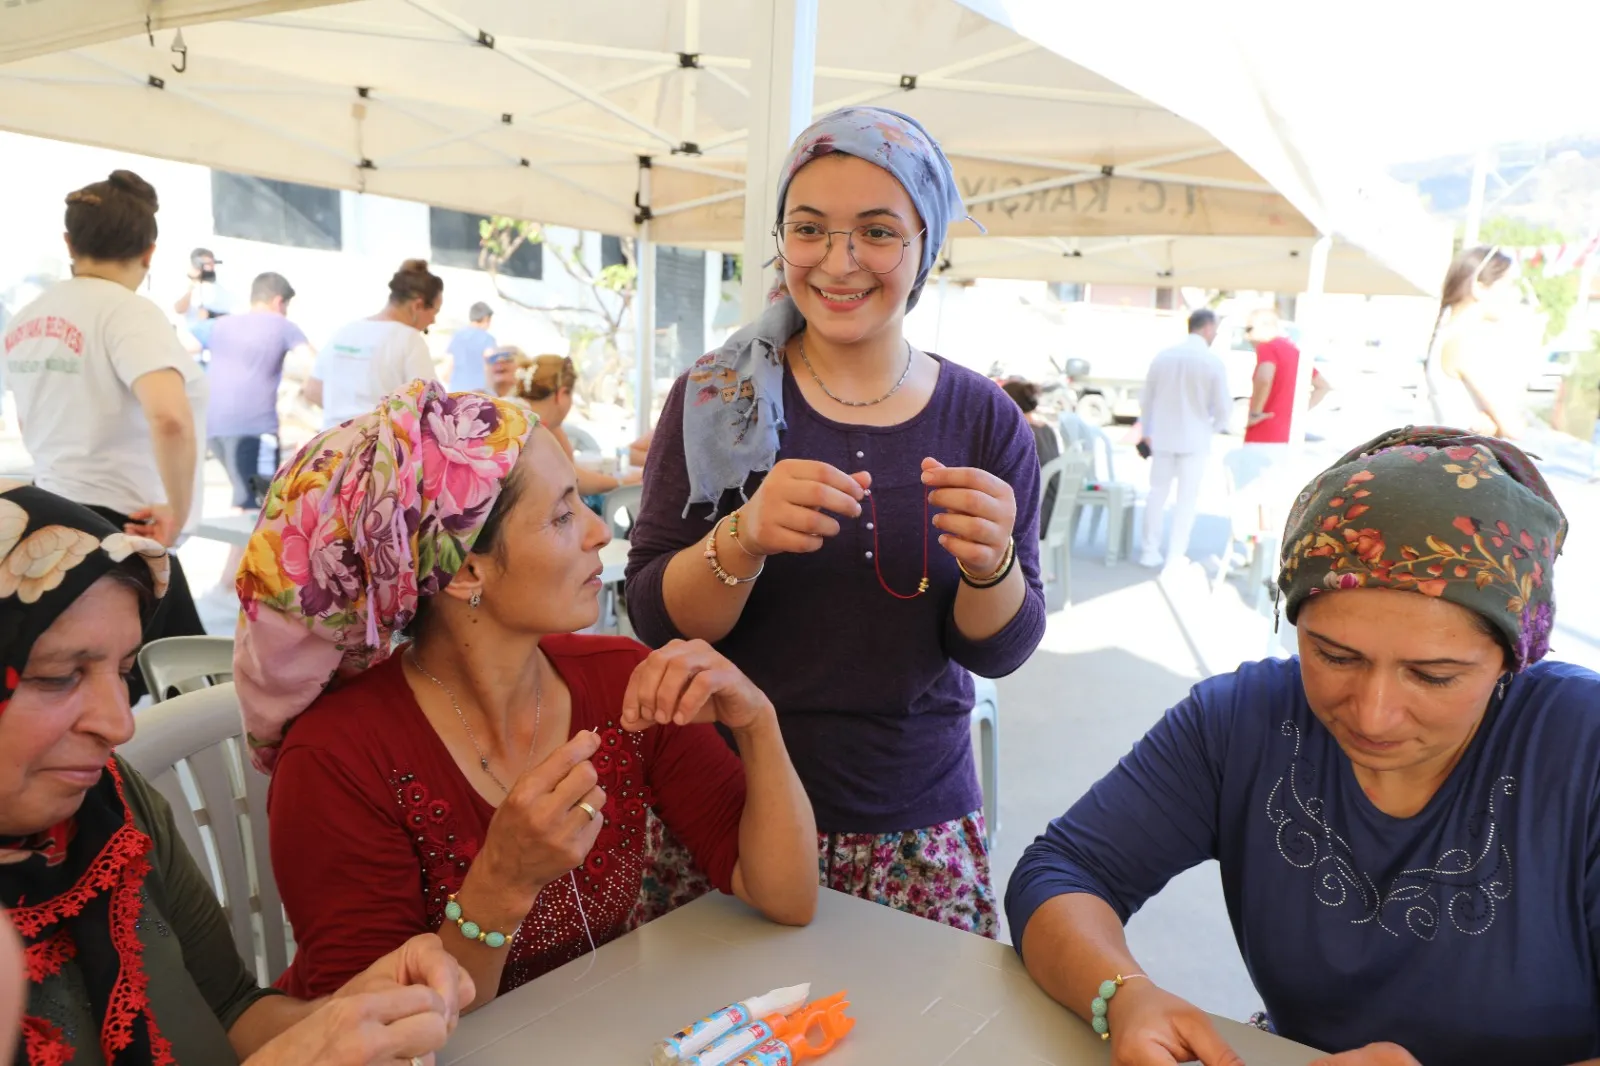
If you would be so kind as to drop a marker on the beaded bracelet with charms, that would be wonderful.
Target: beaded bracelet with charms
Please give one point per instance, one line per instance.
(1102, 1002)
(716, 563)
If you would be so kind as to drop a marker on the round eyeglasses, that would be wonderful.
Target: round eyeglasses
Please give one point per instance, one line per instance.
(874, 247)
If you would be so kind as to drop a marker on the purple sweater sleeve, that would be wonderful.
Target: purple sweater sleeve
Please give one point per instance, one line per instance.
(660, 530)
(1016, 462)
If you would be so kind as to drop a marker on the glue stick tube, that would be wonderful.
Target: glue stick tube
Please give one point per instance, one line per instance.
(733, 1046)
(773, 1052)
(676, 1049)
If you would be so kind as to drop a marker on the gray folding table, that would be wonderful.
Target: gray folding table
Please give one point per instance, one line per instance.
(923, 994)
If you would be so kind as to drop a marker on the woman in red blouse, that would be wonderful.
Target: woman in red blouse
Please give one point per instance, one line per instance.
(494, 774)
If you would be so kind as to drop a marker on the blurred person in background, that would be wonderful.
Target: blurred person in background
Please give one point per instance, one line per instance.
(1026, 395)
(1468, 350)
(112, 407)
(545, 386)
(370, 358)
(247, 355)
(464, 368)
(205, 297)
(1273, 385)
(1184, 403)
(500, 369)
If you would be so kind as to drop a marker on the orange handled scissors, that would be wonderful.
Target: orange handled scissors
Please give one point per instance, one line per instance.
(812, 1030)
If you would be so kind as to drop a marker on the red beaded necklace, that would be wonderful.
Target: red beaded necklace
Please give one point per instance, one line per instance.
(927, 520)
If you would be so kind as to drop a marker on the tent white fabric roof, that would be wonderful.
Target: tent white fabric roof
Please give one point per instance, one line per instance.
(35, 27)
(1070, 136)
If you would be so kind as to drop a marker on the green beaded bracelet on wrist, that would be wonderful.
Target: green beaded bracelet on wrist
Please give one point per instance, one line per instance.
(1102, 1003)
(471, 930)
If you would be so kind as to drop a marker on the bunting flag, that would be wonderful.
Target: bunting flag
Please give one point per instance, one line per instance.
(1554, 259)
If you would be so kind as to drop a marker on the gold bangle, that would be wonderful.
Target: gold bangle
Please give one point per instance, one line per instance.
(1001, 572)
(715, 563)
(733, 531)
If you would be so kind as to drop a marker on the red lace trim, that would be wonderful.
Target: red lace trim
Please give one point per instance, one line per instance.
(46, 958)
(120, 870)
(108, 867)
(44, 1043)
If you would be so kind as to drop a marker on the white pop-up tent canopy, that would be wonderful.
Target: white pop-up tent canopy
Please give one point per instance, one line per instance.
(648, 118)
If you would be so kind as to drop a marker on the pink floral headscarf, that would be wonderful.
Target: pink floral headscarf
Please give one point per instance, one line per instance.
(369, 518)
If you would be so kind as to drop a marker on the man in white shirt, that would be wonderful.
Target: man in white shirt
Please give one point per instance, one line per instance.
(1185, 402)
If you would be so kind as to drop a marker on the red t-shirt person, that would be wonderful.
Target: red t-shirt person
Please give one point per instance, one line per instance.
(373, 824)
(1284, 357)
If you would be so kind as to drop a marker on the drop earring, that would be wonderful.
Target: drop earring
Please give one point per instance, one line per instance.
(477, 598)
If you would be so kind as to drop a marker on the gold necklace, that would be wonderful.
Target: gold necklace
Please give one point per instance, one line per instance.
(483, 760)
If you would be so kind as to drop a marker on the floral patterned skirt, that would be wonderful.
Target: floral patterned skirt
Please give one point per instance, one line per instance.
(940, 873)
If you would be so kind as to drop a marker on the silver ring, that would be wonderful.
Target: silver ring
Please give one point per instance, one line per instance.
(416, 1060)
(593, 814)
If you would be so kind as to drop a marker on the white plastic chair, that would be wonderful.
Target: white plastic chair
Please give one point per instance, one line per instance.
(622, 502)
(986, 713)
(191, 749)
(175, 665)
(1055, 547)
(1110, 498)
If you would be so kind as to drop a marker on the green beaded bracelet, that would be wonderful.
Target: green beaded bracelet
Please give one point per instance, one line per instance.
(470, 930)
(1102, 1003)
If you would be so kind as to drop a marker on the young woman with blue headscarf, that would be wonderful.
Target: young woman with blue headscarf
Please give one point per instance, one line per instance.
(854, 522)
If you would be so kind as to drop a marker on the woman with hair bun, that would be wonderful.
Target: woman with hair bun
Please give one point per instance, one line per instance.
(372, 357)
(110, 403)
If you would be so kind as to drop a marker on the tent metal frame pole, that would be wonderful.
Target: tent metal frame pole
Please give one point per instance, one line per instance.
(690, 74)
(661, 70)
(427, 146)
(644, 348)
(679, 162)
(1011, 51)
(703, 201)
(783, 49)
(434, 11)
(1312, 332)
(387, 101)
(727, 79)
(240, 117)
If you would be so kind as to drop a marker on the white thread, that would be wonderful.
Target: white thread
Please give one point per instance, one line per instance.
(578, 897)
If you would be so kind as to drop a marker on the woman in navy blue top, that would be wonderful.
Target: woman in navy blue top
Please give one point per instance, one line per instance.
(1407, 816)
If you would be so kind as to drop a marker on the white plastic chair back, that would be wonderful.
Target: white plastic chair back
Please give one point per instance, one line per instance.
(191, 749)
(174, 665)
(1092, 439)
(986, 714)
(620, 508)
(1068, 472)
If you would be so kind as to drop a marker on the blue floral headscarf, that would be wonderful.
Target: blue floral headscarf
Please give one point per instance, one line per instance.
(733, 410)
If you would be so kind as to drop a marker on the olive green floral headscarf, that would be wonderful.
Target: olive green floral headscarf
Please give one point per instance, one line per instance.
(1436, 511)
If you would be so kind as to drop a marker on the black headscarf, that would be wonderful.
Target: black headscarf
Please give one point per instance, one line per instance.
(77, 896)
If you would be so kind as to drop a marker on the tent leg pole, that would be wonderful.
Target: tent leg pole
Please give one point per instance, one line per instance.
(783, 53)
(644, 347)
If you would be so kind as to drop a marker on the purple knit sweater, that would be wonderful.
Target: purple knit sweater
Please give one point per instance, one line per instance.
(872, 692)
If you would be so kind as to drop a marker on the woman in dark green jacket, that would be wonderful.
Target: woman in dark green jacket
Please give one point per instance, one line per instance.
(128, 960)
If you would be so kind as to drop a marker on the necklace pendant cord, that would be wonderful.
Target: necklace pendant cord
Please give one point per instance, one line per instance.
(877, 555)
(483, 760)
